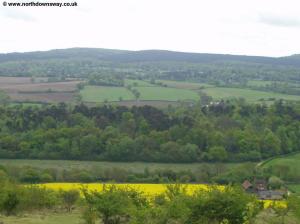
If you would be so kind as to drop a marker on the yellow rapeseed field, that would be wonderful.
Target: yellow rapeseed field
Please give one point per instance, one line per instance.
(149, 190)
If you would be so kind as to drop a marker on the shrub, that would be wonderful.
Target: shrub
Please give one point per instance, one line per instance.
(10, 203)
(69, 198)
(37, 198)
(113, 205)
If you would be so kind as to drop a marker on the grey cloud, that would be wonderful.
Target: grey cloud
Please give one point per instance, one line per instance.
(279, 20)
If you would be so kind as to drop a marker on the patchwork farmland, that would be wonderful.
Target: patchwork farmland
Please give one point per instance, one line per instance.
(24, 89)
(159, 94)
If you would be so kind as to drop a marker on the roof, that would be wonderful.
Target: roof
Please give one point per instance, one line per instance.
(246, 184)
(271, 193)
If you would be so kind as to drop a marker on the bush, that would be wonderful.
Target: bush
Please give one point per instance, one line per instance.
(113, 205)
(10, 203)
(231, 205)
(3, 176)
(15, 198)
(275, 182)
(89, 215)
(37, 198)
(69, 198)
(85, 177)
(30, 175)
(46, 178)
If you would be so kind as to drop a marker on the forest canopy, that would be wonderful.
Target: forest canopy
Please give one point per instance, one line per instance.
(221, 132)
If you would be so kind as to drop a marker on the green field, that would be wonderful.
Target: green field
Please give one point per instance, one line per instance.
(44, 218)
(261, 83)
(154, 103)
(89, 165)
(258, 83)
(103, 93)
(136, 82)
(292, 161)
(75, 218)
(184, 85)
(250, 95)
(168, 94)
(294, 188)
(24, 104)
(177, 91)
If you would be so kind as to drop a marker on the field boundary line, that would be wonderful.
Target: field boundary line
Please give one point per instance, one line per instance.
(262, 163)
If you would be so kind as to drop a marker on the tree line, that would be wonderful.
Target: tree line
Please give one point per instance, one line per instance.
(221, 132)
(217, 173)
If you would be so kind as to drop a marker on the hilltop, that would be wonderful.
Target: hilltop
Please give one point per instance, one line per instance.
(146, 56)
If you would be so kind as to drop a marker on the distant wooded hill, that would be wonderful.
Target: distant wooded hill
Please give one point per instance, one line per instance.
(146, 56)
(217, 69)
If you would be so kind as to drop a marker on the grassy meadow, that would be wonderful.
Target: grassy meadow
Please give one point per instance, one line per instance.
(137, 82)
(161, 104)
(291, 161)
(167, 94)
(178, 91)
(173, 92)
(130, 166)
(103, 93)
(262, 83)
(21, 89)
(184, 85)
(44, 218)
(249, 95)
(258, 83)
(295, 188)
(24, 104)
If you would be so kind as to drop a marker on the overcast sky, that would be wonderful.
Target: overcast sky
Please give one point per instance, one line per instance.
(247, 27)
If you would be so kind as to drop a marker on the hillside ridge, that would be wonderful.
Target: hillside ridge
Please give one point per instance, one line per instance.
(146, 56)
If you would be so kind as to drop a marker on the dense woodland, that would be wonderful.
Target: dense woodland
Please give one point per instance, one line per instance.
(220, 132)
